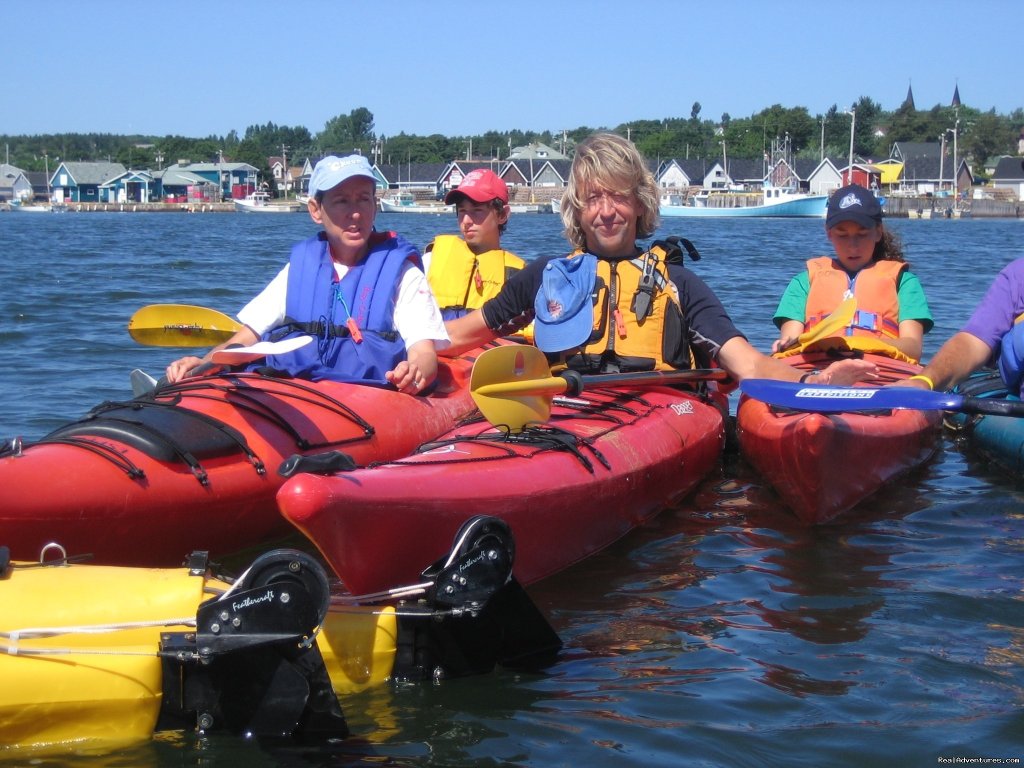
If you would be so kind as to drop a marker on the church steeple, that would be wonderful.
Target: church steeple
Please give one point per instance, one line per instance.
(956, 96)
(909, 101)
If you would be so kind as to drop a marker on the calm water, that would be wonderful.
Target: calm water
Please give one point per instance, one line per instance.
(720, 635)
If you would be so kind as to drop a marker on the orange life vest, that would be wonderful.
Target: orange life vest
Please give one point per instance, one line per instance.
(639, 323)
(875, 288)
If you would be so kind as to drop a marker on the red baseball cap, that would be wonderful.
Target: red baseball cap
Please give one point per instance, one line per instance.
(480, 186)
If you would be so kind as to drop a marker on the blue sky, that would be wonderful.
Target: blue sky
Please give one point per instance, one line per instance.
(458, 68)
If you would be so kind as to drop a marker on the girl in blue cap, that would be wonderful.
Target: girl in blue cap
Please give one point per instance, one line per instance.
(892, 314)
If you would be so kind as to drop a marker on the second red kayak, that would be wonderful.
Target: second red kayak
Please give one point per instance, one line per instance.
(823, 464)
(602, 465)
(195, 465)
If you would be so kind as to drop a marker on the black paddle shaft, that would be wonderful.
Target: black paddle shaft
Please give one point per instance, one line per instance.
(989, 406)
(577, 382)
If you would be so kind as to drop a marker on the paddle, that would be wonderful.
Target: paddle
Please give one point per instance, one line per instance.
(142, 382)
(181, 325)
(513, 386)
(827, 399)
(240, 355)
(841, 317)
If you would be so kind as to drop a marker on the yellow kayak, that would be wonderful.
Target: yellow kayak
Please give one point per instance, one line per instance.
(98, 657)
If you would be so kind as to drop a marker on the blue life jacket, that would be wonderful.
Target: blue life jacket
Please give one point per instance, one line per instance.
(1011, 358)
(318, 305)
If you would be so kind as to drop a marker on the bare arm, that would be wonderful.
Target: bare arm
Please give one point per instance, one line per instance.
(911, 340)
(958, 358)
(789, 331)
(417, 372)
(467, 332)
(742, 361)
(181, 367)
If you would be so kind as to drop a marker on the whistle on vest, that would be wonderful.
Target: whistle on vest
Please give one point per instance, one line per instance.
(620, 324)
(353, 330)
(643, 298)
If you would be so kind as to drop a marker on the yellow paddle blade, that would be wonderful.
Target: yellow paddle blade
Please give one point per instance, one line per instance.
(841, 317)
(180, 325)
(512, 386)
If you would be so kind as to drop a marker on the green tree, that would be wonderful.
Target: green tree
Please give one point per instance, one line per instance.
(343, 134)
(985, 136)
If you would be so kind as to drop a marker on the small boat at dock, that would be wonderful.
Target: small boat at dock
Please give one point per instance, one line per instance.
(405, 202)
(260, 202)
(774, 202)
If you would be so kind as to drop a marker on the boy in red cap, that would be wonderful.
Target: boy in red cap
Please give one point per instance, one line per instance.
(466, 271)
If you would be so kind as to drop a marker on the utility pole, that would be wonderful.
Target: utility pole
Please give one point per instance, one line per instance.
(285, 173)
(853, 121)
(942, 155)
(956, 187)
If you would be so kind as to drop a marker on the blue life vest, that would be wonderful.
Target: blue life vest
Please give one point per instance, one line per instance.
(1011, 358)
(319, 305)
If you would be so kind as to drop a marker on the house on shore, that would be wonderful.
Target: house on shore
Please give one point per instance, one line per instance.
(1009, 175)
(420, 179)
(927, 168)
(129, 187)
(80, 182)
(14, 184)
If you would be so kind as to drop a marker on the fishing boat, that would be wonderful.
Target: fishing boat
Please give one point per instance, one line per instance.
(998, 438)
(775, 201)
(603, 462)
(21, 206)
(823, 464)
(405, 202)
(260, 202)
(780, 194)
(196, 464)
(529, 207)
(99, 657)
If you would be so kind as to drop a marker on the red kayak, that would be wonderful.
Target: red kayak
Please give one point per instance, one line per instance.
(602, 465)
(194, 465)
(823, 464)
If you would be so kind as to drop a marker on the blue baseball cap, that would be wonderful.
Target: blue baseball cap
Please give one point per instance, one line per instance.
(332, 171)
(564, 305)
(853, 203)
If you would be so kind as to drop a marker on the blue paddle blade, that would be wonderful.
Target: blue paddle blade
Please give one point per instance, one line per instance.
(826, 399)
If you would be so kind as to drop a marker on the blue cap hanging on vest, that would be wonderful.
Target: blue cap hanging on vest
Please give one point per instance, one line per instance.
(564, 306)
(853, 203)
(332, 171)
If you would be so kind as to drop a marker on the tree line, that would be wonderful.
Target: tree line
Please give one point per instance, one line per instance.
(980, 135)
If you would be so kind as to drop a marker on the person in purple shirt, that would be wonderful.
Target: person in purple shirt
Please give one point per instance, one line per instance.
(991, 336)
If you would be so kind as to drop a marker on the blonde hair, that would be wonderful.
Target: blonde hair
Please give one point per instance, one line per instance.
(607, 160)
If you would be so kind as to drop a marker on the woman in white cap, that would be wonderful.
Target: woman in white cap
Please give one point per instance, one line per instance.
(331, 289)
(612, 306)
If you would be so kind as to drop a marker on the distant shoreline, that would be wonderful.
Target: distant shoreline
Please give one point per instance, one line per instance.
(895, 208)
